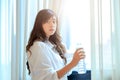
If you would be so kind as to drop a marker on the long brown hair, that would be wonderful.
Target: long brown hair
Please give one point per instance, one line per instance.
(38, 33)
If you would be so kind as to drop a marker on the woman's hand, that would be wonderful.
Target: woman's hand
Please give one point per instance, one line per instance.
(78, 55)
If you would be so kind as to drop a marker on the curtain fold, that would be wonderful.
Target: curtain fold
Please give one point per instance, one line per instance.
(116, 39)
(105, 44)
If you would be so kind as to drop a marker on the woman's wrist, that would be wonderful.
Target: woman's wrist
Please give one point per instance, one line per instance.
(66, 69)
(72, 63)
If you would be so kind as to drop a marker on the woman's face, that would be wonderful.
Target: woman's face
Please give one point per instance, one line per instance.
(49, 27)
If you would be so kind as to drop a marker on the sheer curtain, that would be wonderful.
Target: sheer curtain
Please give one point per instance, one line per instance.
(105, 34)
(75, 27)
(105, 31)
(16, 21)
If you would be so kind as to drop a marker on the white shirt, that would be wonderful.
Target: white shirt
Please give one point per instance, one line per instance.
(44, 62)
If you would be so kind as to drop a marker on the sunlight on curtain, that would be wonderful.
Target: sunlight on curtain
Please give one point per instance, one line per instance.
(17, 19)
(12, 31)
(76, 26)
(116, 40)
(105, 15)
(5, 36)
(11, 59)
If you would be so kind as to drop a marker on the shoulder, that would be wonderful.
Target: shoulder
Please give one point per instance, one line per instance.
(39, 44)
(38, 48)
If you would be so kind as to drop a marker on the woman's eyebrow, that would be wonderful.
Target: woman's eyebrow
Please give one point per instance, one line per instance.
(52, 19)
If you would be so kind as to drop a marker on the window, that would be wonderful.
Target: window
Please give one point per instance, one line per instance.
(76, 26)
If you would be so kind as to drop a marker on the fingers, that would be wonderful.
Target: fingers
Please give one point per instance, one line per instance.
(80, 53)
(79, 50)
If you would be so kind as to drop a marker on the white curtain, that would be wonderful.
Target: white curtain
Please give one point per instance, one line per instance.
(105, 34)
(105, 43)
(16, 21)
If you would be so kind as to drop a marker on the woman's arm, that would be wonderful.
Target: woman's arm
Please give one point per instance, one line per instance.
(78, 55)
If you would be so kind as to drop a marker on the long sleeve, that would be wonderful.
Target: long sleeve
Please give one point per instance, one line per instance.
(44, 62)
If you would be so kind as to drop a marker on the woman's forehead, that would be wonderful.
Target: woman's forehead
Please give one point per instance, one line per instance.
(52, 18)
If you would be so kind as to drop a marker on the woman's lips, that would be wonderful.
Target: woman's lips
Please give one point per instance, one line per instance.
(51, 30)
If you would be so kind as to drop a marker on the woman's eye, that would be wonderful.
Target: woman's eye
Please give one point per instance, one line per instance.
(51, 21)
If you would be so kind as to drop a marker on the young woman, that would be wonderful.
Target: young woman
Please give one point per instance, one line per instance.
(45, 52)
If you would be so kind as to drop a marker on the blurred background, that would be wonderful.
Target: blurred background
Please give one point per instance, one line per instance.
(93, 23)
